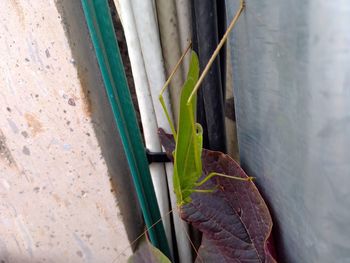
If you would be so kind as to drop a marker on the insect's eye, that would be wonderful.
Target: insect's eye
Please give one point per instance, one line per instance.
(199, 129)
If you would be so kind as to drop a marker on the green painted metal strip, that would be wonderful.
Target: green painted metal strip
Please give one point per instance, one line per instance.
(99, 21)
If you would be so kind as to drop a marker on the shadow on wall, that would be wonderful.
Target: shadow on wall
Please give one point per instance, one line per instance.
(98, 108)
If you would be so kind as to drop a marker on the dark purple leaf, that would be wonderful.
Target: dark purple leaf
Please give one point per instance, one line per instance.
(235, 220)
(208, 252)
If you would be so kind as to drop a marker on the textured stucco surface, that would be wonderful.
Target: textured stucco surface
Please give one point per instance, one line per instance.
(56, 203)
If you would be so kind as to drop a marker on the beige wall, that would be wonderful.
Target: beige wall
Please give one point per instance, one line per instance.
(56, 203)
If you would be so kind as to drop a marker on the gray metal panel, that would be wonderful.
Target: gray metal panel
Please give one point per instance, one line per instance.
(291, 63)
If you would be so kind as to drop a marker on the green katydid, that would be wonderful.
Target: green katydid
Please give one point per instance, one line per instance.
(188, 136)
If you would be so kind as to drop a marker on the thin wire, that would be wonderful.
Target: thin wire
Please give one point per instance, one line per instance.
(216, 52)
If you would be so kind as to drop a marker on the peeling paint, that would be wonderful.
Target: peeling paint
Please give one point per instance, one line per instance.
(85, 93)
(19, 11)
(34, 124)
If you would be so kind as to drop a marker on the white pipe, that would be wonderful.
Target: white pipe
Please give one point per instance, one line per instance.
(170, 41)
(145, 54)
(150, 44)
(147, 113)
(147, 30)
(183, 9)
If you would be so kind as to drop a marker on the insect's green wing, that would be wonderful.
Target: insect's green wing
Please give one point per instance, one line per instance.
(187, 159)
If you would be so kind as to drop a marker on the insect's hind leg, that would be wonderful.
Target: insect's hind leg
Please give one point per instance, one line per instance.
(203, 190)
(213, 174)
(166, 84)
(208, 191)
(217, 50)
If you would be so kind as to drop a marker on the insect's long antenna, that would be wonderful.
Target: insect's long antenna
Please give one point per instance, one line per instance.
(199, 258)
(175, 68)
(193, 246)
(161, 99)
(142, 234)
(216, 52)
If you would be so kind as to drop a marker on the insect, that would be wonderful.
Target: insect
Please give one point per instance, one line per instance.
(188, 135)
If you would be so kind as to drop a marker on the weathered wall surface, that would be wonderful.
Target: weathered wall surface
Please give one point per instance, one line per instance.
(56, 203)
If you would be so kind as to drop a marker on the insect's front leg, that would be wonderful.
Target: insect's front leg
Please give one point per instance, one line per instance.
(161, 98)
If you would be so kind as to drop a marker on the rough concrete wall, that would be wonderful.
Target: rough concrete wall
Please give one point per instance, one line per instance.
(57, 203)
